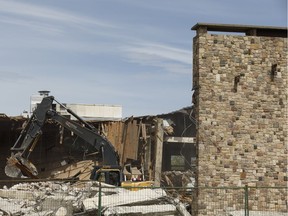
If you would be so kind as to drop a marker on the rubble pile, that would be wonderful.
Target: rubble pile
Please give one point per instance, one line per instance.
(178, 179)
(53, 198)
(180, 185)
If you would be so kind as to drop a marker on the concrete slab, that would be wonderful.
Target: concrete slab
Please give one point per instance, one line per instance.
(129, 197)
(141, 210)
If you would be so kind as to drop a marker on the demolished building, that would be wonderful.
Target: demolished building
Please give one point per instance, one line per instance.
(234, 135)
(152, 140)
(134, 139)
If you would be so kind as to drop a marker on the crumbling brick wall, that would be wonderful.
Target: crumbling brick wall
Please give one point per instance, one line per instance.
(240, 99)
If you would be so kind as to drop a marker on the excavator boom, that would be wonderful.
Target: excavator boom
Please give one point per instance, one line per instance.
(18, 164)
(110, 172)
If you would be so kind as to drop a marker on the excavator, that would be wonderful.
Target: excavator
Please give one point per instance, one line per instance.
(110, 172)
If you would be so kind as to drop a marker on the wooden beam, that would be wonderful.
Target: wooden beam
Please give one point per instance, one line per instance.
(158, 151)
(130, 147)
(170, 139)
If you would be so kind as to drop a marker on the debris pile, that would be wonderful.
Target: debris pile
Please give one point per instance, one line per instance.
(178, 179)
(179, 185)
(55, 198)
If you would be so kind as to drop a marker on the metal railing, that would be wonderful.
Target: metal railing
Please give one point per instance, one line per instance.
(51, 197)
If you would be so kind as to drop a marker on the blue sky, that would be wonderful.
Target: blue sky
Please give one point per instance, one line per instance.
(133, 53)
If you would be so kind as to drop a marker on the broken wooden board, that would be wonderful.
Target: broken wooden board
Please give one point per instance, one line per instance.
(81, 170)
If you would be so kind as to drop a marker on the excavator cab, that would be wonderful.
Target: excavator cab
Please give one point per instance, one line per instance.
(132, 173)
(130, 177)
(108, 174)
(134, 177)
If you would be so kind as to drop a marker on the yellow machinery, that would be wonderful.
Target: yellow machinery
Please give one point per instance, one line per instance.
(134, 178)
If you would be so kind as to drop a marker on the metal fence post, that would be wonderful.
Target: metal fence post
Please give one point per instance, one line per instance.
(99, 200)
(246, 200)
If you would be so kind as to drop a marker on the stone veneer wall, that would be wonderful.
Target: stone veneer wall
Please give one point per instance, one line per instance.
(241, 109)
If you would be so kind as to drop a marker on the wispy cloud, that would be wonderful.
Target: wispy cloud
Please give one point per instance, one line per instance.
(47, 13)
(171, 59)
(36, 26)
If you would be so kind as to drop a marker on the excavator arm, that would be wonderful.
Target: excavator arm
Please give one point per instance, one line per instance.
(18, 164)
(109, 155)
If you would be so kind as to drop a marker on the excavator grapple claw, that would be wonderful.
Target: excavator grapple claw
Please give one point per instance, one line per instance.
(19, 167)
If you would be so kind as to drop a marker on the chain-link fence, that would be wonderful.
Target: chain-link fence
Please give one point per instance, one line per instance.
(55, 197)
(241, 201)
(272, 199)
